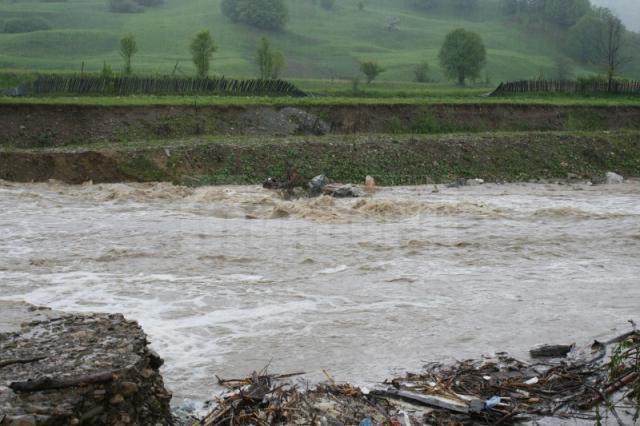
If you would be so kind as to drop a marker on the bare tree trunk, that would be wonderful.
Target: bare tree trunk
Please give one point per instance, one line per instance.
(614, 43)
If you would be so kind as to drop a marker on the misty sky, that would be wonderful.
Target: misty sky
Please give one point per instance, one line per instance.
(628, 10)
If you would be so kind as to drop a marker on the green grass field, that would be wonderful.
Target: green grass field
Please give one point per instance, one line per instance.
(439, 95)
(318, 44)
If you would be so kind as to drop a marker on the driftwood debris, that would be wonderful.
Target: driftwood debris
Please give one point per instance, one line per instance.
(458, 405)
(489, 391)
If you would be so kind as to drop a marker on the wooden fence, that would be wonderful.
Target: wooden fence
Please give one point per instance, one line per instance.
(594, 86)
(123, 86)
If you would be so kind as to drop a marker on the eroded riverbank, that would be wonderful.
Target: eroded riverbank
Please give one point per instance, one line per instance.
(226, 279)
(42, 125)
(390, 159)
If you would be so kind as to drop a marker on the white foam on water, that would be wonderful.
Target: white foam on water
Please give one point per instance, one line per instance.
(335, 270)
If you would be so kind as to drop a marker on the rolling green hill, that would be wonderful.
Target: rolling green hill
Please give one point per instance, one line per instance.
(318, 44)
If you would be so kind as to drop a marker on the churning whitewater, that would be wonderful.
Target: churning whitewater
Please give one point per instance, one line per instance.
(228, 279)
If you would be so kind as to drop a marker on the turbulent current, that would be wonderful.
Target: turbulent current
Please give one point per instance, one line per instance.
(226, 280)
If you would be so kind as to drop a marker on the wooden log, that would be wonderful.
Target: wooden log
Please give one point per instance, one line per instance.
(469, 405)
(550, 351)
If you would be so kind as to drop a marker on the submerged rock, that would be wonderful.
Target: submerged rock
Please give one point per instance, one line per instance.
(343, 191)
(474, 182)
(60, 368)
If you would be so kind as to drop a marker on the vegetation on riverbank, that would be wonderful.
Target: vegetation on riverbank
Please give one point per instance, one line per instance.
(391, 159)
(437, 97)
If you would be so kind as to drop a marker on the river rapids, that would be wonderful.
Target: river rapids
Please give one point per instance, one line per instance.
(226, 280)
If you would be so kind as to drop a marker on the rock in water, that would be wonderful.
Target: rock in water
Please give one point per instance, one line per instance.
(271, 183)
(370, 184)
(613, 178)
(317, 184)
(343, 191)
(61, 368)
(474, 182)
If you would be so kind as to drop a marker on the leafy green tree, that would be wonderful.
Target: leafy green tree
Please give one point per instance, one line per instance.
(462, 55)
(106, 72)
(265, 14)
(421, 73)
(371, 70)
(128, 48)
(584, 37)
(565, 13)
(600, 39)
(611, 45)
(270, 62)
(202, 48)
(278, 63)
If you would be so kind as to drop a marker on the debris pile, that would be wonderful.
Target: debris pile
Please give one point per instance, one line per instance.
(582, 384)
(295, 186)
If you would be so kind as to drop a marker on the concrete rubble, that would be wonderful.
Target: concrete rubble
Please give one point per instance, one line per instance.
(59, 368)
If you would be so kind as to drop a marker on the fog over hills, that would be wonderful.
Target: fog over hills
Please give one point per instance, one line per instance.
(317, 43)
(628, 10)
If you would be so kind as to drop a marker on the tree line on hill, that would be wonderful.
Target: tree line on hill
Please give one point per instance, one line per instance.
(269, 61)
(590, 35)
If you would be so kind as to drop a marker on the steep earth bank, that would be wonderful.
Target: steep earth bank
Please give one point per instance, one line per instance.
(58, 125)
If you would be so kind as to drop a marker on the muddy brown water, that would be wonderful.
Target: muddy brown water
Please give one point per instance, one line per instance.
(228, 279)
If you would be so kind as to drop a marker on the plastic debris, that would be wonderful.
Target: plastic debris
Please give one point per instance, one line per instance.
(532, 381)
(492, 402)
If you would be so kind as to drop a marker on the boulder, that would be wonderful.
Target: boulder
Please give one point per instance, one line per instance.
(317, 184)
(612, 178)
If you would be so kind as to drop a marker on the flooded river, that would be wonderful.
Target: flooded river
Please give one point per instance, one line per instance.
(228, 279)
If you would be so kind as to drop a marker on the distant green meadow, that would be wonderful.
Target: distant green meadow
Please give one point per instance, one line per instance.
(322, 47)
